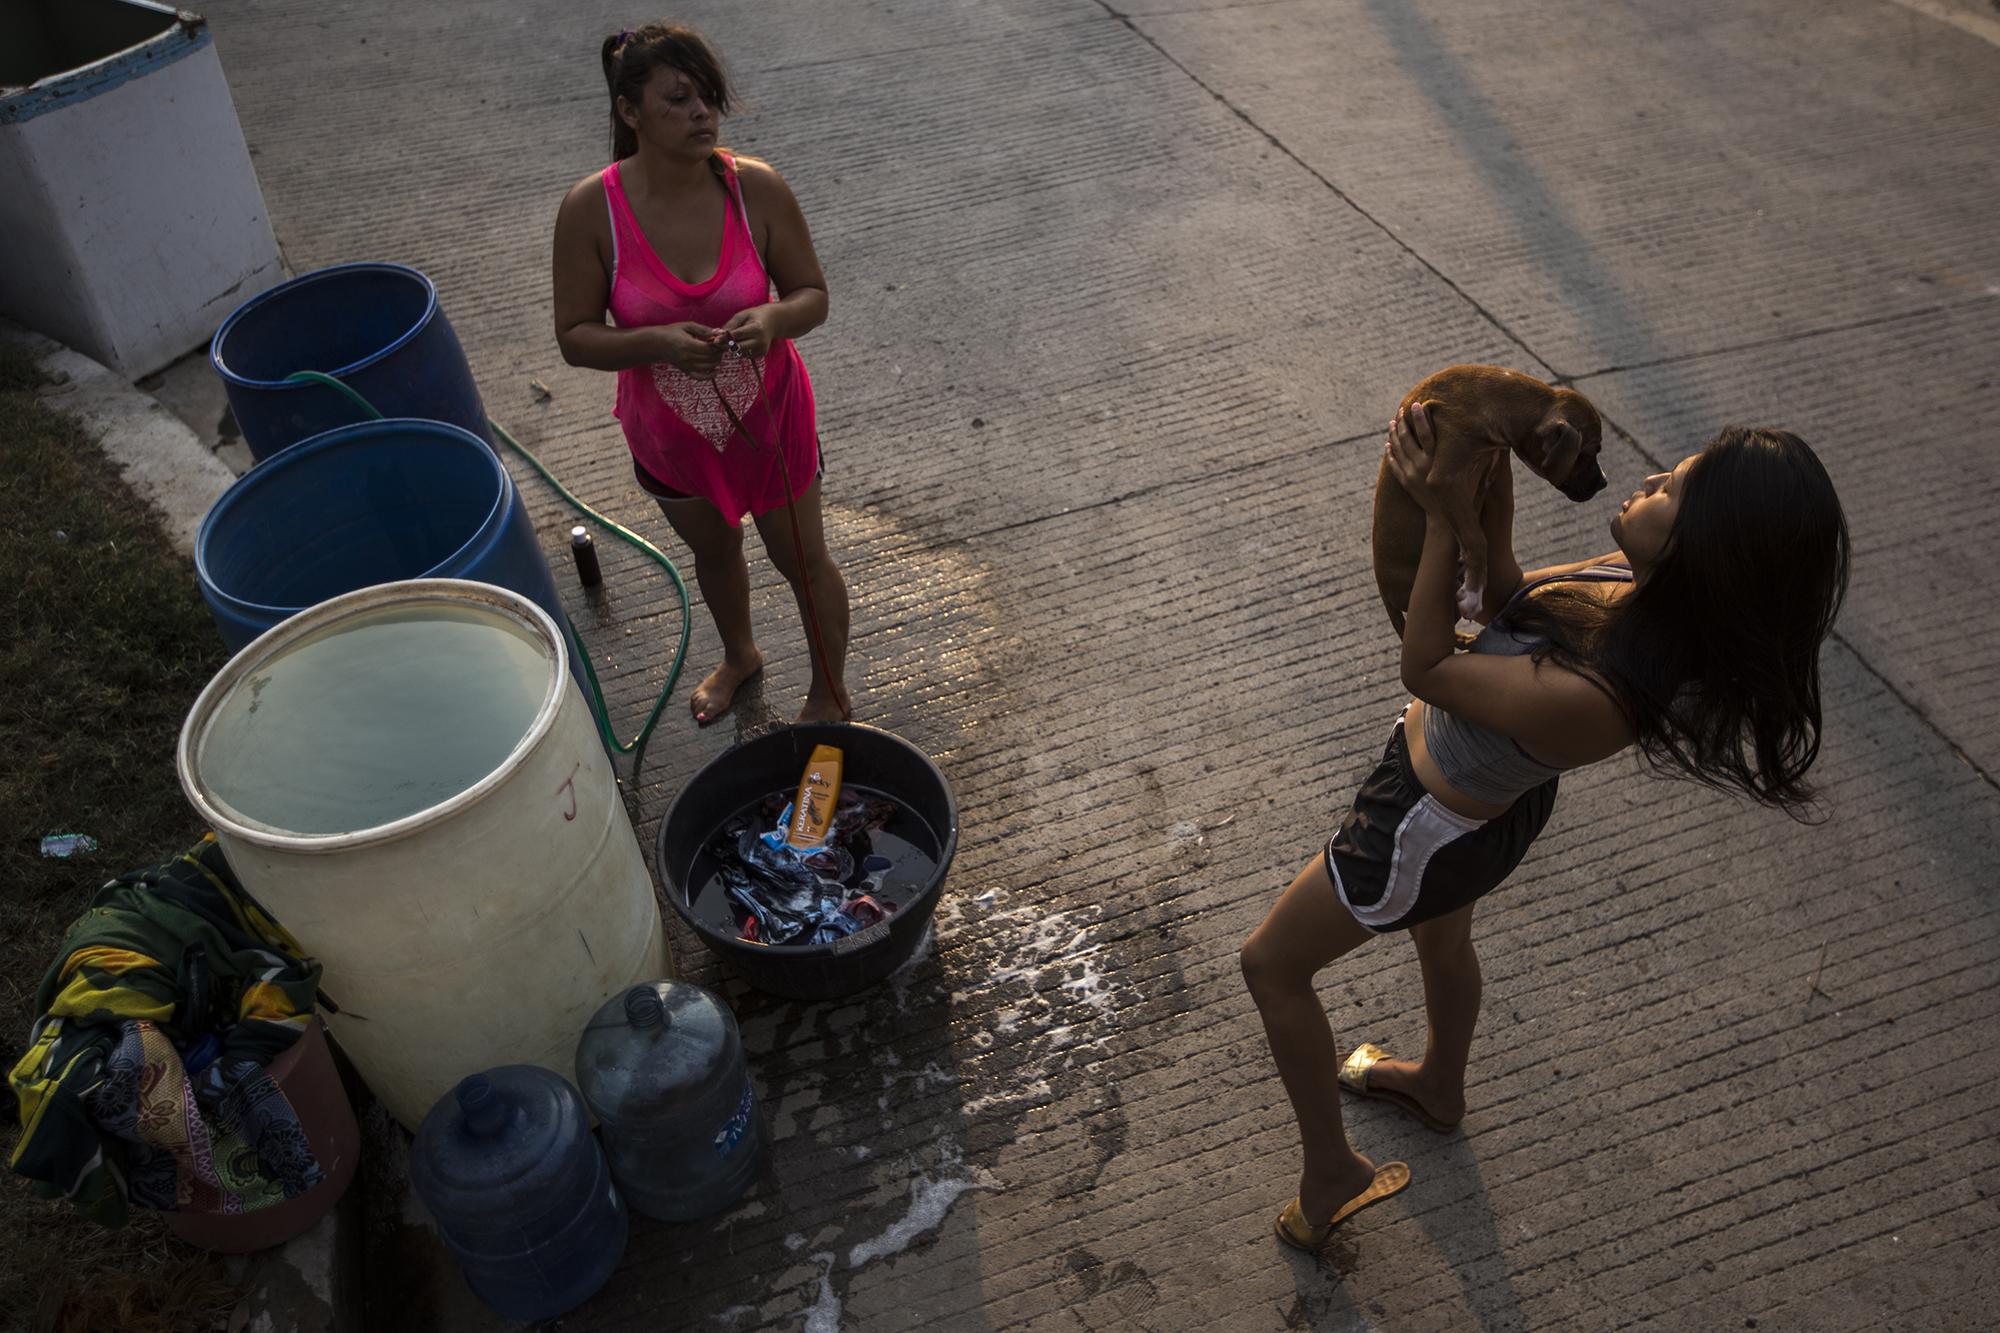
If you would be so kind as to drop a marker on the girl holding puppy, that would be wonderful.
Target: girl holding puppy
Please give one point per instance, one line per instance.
(1697, 640)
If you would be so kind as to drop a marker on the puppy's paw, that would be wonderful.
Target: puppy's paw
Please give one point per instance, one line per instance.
(1470, 600)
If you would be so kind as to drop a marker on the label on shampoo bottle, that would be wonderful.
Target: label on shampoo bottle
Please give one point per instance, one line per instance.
(819, 792)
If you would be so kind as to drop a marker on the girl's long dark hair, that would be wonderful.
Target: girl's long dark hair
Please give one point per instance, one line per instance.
(1715, 654)
(630, 58)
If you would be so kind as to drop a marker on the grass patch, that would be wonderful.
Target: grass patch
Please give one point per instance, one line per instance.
(107, 644)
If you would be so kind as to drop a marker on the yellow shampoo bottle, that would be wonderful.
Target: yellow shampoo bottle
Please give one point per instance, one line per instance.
(819, 791)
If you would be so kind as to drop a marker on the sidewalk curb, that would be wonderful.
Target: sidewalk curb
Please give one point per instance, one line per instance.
(157, 454)
(311, 1283)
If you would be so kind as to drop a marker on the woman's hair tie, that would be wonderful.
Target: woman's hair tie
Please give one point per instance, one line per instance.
(624, 36)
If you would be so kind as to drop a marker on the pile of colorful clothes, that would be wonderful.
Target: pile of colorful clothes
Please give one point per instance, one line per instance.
(786, 895)
(145, 1082)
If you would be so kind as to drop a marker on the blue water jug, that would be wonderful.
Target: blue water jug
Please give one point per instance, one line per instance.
(662, 1068)
(520, 1191)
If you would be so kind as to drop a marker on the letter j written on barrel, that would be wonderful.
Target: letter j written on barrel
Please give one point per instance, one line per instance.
(373, 503)
(377, 328)
(403, 777)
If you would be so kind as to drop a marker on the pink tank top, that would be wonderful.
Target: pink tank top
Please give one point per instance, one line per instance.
(674, 425)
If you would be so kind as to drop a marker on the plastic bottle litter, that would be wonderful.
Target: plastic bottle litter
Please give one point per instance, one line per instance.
(588, 572)
(520, 1191)
(68, 844)
(662, 1068)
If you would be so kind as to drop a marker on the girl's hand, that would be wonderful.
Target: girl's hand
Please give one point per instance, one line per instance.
(1410, 450)
(752, 330)
(693, 348)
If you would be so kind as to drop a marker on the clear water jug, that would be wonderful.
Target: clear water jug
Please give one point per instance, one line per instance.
(520, 1191)
(662, 1068)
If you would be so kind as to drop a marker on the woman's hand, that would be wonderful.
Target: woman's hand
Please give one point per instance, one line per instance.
(753, 330)
(693, 348)
(1410, 450)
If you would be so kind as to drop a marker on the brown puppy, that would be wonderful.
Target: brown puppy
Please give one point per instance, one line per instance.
(1478, 413)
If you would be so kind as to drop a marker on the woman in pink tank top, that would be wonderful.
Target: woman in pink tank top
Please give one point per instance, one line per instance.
(704, 265)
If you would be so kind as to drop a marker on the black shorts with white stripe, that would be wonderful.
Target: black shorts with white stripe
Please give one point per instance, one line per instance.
(1401, 858)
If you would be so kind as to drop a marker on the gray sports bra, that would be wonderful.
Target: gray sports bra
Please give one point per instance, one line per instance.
(1486, 765)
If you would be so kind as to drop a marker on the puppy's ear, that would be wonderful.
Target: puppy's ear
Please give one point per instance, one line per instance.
(1560, 446)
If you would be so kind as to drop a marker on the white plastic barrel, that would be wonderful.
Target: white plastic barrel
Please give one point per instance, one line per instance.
(408, 779)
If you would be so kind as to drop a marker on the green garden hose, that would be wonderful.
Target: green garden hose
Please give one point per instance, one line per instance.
(610, 525)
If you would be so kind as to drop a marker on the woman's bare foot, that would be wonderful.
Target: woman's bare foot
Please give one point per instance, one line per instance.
(711, 698)
(1321, 1192)
(820, 707)
(1444, 1104)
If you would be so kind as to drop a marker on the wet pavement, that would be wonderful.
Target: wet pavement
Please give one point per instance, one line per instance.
(1121, 299)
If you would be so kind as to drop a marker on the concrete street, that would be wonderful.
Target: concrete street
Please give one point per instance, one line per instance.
(1122, 298)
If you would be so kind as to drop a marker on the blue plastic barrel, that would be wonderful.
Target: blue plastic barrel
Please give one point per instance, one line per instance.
(374, 503)
(520, 1191)
(378, 328)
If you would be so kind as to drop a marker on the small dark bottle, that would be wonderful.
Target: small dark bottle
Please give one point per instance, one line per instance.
(585, 552)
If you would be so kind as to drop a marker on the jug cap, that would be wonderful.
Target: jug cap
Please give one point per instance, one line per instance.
(484, 1112)
(506, 1154)
(643, 1008)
